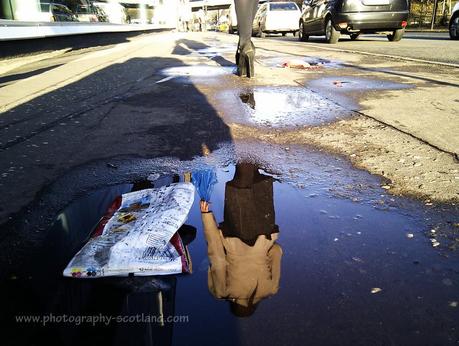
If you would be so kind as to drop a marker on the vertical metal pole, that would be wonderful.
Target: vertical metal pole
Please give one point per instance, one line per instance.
(11, 9)
(434, 14)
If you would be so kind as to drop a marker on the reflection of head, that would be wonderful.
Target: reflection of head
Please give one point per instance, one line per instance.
(239, 310)
(249, 99)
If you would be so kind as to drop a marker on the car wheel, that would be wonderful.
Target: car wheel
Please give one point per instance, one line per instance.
(331, 34)
(454, 27)
(260, 32)
(354, 36)
(302, 34)
(396, 35)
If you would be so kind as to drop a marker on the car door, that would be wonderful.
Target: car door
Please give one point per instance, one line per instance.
(57, 13)
(308, 11)
(320, 10)
(257, 19)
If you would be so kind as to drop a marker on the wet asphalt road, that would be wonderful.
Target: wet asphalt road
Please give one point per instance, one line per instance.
(132, 111)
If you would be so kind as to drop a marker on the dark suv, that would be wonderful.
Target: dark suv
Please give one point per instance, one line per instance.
(353, 17)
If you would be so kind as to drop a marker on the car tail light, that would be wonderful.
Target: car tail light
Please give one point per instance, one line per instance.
(404, 24)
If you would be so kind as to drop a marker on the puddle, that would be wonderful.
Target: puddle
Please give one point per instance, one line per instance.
(197, 71)
(281, 107)
(312, 63)
(218, 50)
(346, 90)
(348, 83)
(341, 235)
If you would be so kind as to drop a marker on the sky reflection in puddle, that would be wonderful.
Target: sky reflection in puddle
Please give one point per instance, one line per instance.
(283, 107)
(199, 71)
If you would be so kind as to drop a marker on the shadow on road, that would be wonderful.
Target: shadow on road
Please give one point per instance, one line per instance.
(187, 47)
(117, 113)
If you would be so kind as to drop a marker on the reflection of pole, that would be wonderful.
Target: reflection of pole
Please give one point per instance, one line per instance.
(434, 14)
(159, 299)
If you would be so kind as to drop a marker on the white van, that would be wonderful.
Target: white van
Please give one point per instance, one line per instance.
(276, 18)
(232, 19)
(454, 23)
(115, 12)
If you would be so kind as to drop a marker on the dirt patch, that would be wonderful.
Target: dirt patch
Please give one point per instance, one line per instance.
(412, 167)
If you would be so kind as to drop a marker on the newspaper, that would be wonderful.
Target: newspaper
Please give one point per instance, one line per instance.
(140, 238)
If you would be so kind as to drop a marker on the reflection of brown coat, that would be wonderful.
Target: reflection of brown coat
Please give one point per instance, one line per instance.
(239, 271)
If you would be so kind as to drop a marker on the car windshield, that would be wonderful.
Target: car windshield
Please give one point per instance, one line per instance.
(283, 6)
(84, 9)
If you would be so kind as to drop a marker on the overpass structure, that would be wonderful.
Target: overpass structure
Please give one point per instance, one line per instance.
(196, 5)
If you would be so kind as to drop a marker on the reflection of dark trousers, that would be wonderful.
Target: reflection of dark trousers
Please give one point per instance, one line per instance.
(245, 12)
(249, 207)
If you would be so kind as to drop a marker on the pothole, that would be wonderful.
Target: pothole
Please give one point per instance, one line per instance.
(306, 63)
(197, 71)
(345, 242)
(219, 50)
(350, 83)
(281, 107)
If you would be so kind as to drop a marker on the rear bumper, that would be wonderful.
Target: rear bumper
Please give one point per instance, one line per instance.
(370, 21)
(274, 31)
(272, 28)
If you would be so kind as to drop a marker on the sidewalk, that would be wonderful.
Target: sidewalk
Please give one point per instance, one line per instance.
(17, 30)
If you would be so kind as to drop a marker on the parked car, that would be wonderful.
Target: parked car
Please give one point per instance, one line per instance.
(353, 17)
(86, 13)
(58, 12)
(454, 23)
(114, 12)
(232, 19)
(276, 17)
(100, 13)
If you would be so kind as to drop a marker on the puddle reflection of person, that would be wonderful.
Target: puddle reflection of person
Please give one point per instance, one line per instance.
(245, 55)
(243, 254)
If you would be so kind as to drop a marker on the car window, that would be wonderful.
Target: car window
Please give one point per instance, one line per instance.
(57, 9)
(261, 10)
(84, 9)
(283, 6)
(45, 6)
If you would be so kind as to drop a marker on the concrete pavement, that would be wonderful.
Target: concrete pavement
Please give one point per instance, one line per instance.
(398, 118)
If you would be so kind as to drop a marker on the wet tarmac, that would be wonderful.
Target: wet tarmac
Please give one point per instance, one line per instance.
(358, 266)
